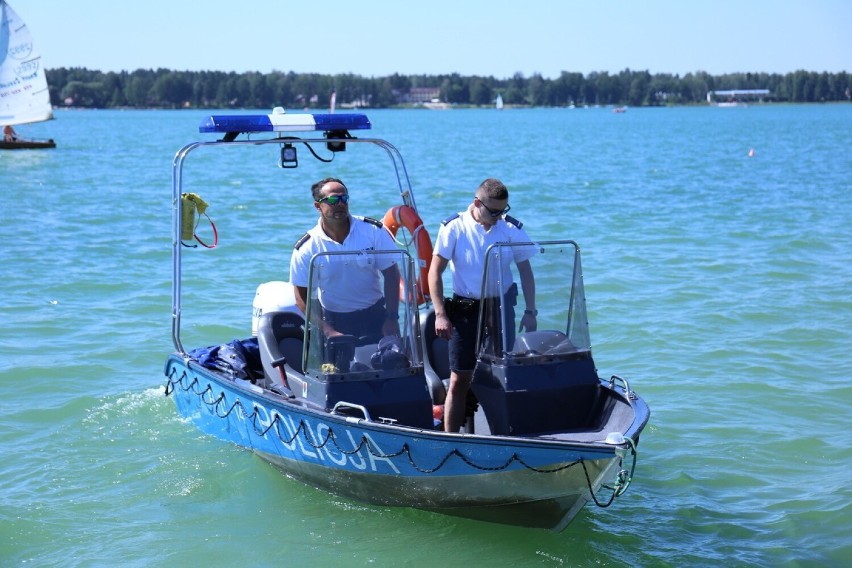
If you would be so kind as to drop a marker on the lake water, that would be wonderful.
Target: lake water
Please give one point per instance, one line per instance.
(719, 284)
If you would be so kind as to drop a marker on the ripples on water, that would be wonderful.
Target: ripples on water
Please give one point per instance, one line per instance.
(717, 283)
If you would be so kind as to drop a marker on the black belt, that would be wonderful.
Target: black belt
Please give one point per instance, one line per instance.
(461, 306)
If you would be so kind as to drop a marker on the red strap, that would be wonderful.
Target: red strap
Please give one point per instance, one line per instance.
(215, 235)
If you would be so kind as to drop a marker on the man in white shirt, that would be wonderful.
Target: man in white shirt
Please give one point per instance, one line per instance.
(462, 241)
(354, 300)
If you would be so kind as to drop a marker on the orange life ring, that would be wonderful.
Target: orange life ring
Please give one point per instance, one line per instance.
(405, 216)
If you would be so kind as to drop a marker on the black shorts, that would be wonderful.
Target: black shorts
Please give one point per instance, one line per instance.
(462, 345)
(464, 315)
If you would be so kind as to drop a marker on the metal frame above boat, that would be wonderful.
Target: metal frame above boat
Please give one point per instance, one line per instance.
(334, 129)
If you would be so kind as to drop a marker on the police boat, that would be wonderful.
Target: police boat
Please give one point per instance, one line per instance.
(360, 417)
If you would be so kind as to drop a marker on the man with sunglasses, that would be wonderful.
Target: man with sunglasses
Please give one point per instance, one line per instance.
(461, 243)
(354, 299)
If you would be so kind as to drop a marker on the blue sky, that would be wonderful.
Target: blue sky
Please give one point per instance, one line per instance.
(375, 38)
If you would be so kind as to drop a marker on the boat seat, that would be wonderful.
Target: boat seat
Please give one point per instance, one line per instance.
(280, 338)
(438, 356)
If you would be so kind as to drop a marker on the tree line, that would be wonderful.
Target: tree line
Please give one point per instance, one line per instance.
(165, 88)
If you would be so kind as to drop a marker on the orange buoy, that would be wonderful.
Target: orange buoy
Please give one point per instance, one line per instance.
(405, 216)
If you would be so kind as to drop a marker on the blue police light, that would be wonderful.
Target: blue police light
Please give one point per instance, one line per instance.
(283, 122)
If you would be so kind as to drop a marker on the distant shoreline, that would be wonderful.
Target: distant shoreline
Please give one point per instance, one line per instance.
(260, 110)
(167, 89)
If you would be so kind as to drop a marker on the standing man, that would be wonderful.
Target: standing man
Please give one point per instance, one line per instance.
(354, 301)
(462, 241)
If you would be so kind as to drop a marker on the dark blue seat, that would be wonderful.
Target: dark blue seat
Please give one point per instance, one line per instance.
(280, 338)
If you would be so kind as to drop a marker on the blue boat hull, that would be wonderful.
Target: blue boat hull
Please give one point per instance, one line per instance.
(541, 481)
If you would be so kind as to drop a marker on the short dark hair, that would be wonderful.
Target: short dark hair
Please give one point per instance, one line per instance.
(316, 189)
(494, 188)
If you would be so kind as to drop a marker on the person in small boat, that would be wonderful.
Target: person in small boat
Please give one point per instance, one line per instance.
(356, 299)
(461, 243)
(9, 134)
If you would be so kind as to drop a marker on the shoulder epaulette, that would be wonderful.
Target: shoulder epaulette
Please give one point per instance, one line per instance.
(512, 221)
(305, 238)
(372, 221)
(449, 219)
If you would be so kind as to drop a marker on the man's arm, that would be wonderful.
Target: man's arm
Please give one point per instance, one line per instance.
(443, 327)
(301, 295)
(528, 320)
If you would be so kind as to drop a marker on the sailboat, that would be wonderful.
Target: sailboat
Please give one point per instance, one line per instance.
(24, 97)
(499, 104)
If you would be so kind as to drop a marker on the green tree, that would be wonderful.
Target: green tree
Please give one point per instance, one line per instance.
(567, 89)
(537, 90)
(118, 99)
(83, 94)
(138, 88)
(171, 90)
(481, 93)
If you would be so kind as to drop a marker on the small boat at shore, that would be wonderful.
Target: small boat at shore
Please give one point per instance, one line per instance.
(437, 104)
(24, 96)
(360, 417)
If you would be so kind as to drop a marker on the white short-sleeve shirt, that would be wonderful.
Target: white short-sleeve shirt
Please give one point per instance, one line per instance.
(463, 242)
(346, 283)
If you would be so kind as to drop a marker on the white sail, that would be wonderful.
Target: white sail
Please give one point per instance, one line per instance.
(24, 97)
(499, 104)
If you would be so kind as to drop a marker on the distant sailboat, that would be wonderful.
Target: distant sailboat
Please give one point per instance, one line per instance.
(24, 97)
(499, 104)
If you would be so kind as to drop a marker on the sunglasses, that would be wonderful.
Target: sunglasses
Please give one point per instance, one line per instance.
(334, 199)
(494, 212)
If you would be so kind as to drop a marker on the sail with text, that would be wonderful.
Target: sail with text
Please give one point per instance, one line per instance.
(24, 97)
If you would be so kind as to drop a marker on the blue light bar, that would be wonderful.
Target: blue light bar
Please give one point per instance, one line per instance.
(283, 122)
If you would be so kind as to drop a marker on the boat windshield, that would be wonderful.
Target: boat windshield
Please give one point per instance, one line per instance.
(561, 325)
(350, 318)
